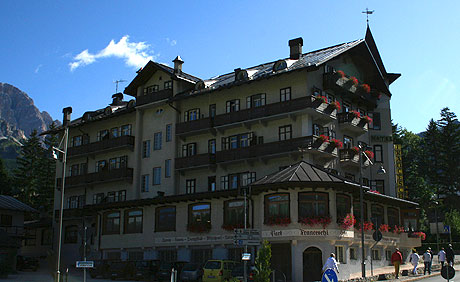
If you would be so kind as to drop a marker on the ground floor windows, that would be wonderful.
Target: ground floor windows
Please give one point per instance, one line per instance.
(165, 219)
(71, 234)
(135, 255)
(233, 214)
(393, 217)
(376, 255)
(377, 215)
(353, 254)
(199, 217)
(111, 223)
(357, 211)
(133, 221)
(167, 255)
(202, 255)
(340, 254)
(343, 204)
(277, 209)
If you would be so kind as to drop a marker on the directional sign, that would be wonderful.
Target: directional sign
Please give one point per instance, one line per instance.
(448, 272)
(446, 229)
(85, 264)
(329, 276)
(239, 242)
(377, 235)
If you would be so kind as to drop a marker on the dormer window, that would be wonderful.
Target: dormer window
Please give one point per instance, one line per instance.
(241, 75)
(279, 65)
(199, 85)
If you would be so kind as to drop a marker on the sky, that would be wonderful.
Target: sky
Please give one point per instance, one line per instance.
(69, 53)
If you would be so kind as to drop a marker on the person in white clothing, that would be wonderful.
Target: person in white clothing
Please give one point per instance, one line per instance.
(331, 263)
(414, 258)
(442, 257)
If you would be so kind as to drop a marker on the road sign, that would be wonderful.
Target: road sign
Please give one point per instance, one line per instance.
(377, 235)
(448, 270)
(446, 229)
(85, 264)
(240, 242)
(246, 256)
(329, 276)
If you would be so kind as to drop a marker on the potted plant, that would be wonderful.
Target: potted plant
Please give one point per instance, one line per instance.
(354, 80)
(341, 74)
(324, 138)
(368, 119)
(398, 229)
(347, 222)
(384, 228)
(316, 220)
(337, 143)
(366, 88)
(356, 114)
(355, 149)
(323, 99)
(336, 105)
(369, 154)
(368, 226)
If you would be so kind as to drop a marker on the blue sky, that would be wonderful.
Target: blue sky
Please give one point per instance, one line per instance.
(43, 43)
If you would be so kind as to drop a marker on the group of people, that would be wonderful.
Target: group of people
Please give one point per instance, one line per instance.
(443, 257)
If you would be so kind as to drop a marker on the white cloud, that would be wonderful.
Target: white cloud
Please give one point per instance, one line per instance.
(37, 69)
(172, 42)
(135, 54)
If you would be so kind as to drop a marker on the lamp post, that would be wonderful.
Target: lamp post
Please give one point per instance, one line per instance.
(66, 120)
(380, 171)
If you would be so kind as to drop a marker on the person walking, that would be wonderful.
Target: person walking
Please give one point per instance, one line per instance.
(331, 263)
(450, 255)
(427, 257)
(442, 257)
(414, 258)
(396, 260)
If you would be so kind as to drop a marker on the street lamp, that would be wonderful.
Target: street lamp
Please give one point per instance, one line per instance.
(380, 171)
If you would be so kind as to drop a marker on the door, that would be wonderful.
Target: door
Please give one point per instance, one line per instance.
(312, 264)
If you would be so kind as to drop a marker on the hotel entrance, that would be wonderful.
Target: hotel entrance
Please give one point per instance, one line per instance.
(312, 264)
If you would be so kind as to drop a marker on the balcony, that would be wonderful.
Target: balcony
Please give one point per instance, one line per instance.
(154, 97)
(321, 112)
(75, 213)
(13, 231)
(196, 161)
(351, 124)
(348, 158)
(102, 146)
(343, 85)
(105, 176)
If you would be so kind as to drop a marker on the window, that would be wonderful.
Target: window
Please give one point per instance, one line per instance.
(343, 203)
(168, 132)
(168, 255)
(340, 254)
(285, 132)
(119, 162)
(72, 202)
(126, 130)
(111, 223)
(116, 196)
(212, 183)
(353, 254)
(156, 175)
(350, 176)
(313, 204)
(167, 168)
(238, 141)
(77, 141)
(357, 211)
(71, 234)
(377, 215)
(157, 141)
(378, 153)
(136, 256)
(212, 146)
(376, 255)
(199, 214)
(224, 182)
(145, 183)
(347, 142)
(146, 149)
(47, 237)
(234, 181)
(276, 206)
(151, 89)
(165, 219)
(255, 101)
(330, 97)
(376, 122)
(346, 107)
(378, 185)
(285, 94)
(233, 106)
(212, 110)
(234, 213)
(115, 132)
(190, 186)
(6, 220)
(192, 114)
(316, 91)
(102, 135)
(393, 217)
(388, 255)
(98, 198)
(168, 85)
(189, 150)
(74, 170)
(133, 221)
(101, 165)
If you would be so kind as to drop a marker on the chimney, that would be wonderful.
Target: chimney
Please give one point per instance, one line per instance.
(117, 98)
(296, 48)
(66, 119)
(178, 64)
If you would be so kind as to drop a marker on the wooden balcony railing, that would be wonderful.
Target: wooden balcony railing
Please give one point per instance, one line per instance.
(126, 141)
(257, 113)
(98, 177)
(153, 97)
(349, 122)
(195, 161)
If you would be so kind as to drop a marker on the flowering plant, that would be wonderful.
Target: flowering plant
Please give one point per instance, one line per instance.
(324, 138)
(316, 220)
(369, 154)
(231, 227)
(355, 149)
(398, 229)
(347, 222)
(367, 226)
(366, 87)
(322, 98)
(384, 228)
(336, 105)
(337, 143)
(199, 227)
(354, 80)
(420, 234)
(341, 73)
(278, 220)
(375, 192)
(356, 114)
(368, 119)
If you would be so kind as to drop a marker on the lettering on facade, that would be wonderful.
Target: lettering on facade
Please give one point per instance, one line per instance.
(327, 233)
(193, 239)
(304, 232)
(377, 138)
(399, 171)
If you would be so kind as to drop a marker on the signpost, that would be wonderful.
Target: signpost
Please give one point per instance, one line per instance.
(448, 272)
(248, 237)
(377, 235)
(329, 276)
(85, 264)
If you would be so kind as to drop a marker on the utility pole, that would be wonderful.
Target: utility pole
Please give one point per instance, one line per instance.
(84, 254)
(245, 227)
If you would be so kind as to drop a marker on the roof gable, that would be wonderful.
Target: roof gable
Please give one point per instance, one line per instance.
(12, 204)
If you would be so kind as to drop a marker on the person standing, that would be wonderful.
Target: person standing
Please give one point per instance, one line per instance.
(450, 255)
(414, 258)
(331, 263)
(396, 260)
(442, 257)
(427, 257)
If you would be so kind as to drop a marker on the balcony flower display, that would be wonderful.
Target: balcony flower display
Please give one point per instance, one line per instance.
(337, 143)
(278, 220)
(368, 226)
(398, 229)
(336, 105)
(356, 114)
(355, 149)
(231, 227)
(367, 119)
(369, 154)
(341, 73)
(199, 227)
(366, 88)
(354, 80)
(316, 220)
(324, 138)
(347, 222)
(384, 228)
(375, 192)
(420, 234)
(322, 98)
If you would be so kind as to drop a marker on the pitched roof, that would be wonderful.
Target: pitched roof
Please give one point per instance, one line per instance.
(12, 204)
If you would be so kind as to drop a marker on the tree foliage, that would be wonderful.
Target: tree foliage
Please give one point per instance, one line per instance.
(5, 180)
(262, 264)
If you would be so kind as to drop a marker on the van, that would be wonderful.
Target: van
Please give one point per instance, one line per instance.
(218, 270)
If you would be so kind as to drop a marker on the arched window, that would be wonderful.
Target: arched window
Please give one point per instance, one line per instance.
(313, 204)
(343, 204)
(276, 207)
(279, 65)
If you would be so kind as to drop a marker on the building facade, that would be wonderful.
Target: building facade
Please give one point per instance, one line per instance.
(162, 176)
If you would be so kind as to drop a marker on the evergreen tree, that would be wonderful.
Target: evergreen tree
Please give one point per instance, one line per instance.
(5, 181)
(262, 263)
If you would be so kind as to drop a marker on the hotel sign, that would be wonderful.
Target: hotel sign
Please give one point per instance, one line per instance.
(194, 239)
(399, 171)
(320, 233)
(379, 138)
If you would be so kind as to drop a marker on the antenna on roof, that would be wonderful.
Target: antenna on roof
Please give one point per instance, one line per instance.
(367, 12)
(116, 83)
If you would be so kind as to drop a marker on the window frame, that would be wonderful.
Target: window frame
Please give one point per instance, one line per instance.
(127, 226)
(157, 140)
(190, 186)
(267, 205)
(168, 133)
(145, 183)
(378, 153)
(105, 220)
(315, 205)
(337, 201)
(285, 94)
(227, 209)
(156, 176)
(340, 254)
(168, 163)
(232, 106)
(168, 227)
(285, 132)
(71, 234)
(190, 211)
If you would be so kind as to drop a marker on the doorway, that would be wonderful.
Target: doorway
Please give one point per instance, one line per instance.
(312, 264)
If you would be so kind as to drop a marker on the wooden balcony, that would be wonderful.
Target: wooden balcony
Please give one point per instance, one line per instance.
(321, 113)
(348, 158)
(102, 146)
(105, 176)
(343, 85)
(196, 161)
(351, 124)
(154, 97)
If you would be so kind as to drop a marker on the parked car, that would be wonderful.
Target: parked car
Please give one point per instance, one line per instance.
(238, 272)
(191, 272)
(23, 262)
(146, 269)
(100, 269)
(164, 272)
(122, 269)
(218, 270)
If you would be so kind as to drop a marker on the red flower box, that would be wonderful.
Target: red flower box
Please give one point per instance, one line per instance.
(421, 235)
(324, 138)
(355, 149)
(231, 227)
(369, 154)
(366, 87)
(354, 80)
(337, 143)
(336, 105)
(281, 221)
(316, 220)
(398, 229)
(384, 228)
(199, 227)
(368, 226)
(341, 73)
(356, 114)
(322, 98)
(347, 222)
(368, 119)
